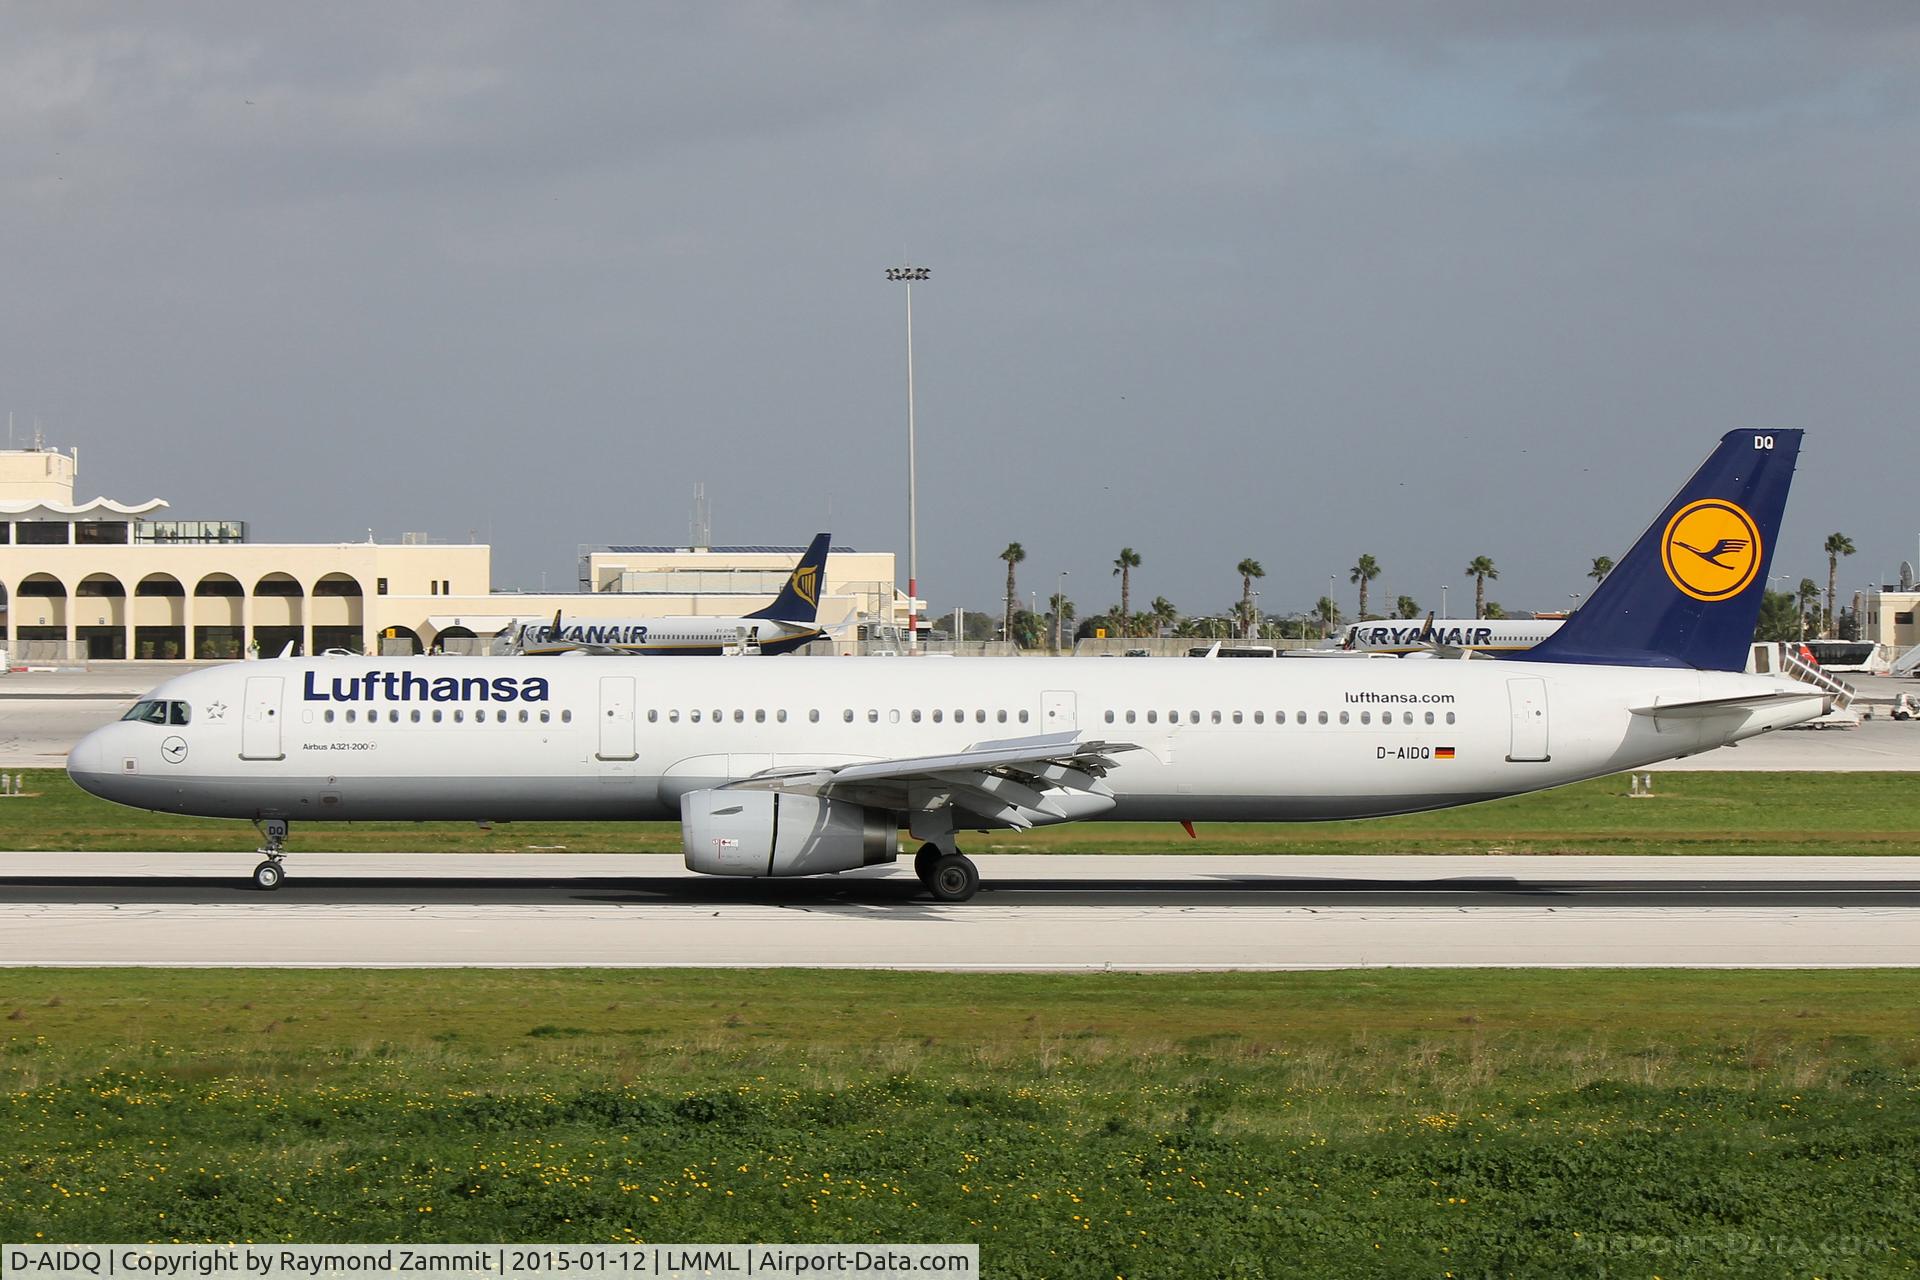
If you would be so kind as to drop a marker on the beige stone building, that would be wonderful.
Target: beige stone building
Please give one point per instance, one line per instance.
(104, 580)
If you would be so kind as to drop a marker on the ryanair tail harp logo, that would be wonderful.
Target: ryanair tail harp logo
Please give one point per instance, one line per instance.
(1711, 549)
(806, 584)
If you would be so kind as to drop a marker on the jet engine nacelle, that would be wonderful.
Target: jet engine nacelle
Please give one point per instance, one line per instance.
(766, 833)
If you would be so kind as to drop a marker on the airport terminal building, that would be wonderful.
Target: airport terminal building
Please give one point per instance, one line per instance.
(105, 580)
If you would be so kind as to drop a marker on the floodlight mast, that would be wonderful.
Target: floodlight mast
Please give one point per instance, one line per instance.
(907, 275)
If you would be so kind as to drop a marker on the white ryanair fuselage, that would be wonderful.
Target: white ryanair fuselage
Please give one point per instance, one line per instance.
(349, 738)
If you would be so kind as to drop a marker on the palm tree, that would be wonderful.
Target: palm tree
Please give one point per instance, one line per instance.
(1480, 569)
(1013, 555)
(1365, 570)
(1128, 561)
(1163, 613)
(1809, 596)
(1602, 566)
(1248, 569)
(1406, 607)
(1061, 610)
(1329, 614)
(1837, 545)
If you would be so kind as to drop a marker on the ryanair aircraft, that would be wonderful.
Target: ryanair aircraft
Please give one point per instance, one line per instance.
(1447, 637)
(791, 769)
(781, 627)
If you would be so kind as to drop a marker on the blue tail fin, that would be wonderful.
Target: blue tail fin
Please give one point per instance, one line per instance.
(1688, 594)
(799, 600)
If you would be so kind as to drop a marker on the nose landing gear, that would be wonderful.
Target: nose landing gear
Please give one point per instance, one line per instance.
(270, 873)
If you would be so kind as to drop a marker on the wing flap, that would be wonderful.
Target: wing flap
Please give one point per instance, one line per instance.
(1016, 782)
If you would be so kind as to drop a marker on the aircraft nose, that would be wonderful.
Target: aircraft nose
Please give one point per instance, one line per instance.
(91, 763)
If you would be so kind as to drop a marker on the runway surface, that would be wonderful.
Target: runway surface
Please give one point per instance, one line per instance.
(1033, 912)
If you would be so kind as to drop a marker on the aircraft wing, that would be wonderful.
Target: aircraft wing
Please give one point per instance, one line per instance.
(1017, 782)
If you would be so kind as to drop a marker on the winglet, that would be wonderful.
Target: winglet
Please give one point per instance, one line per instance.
(1688, 593)
(799, 600)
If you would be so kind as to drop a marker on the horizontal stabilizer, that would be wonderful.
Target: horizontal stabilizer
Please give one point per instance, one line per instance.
(1705, 707)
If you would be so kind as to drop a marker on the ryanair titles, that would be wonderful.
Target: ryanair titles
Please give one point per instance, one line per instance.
(404, 686)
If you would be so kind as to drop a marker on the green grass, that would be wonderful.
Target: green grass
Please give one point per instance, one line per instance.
(1365, 1124)
(1736, 813)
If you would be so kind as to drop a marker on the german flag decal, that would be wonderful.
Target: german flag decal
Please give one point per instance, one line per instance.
(1443, 753)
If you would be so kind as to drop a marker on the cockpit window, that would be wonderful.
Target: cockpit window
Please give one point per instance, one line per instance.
(159, 711)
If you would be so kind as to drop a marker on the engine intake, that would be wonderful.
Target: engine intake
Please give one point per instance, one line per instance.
(766, 833)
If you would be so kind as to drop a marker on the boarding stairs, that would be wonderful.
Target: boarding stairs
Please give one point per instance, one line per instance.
(1785, 660)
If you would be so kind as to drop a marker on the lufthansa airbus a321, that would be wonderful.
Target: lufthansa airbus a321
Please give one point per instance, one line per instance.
(791, 769)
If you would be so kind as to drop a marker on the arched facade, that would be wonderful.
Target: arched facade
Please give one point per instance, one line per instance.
(100, 618)
(401, 642)
(39, 619)
(279, 616)
(218, 626)
(159, 617)
(339, 614)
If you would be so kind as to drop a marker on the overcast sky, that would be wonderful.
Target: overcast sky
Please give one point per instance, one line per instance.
(1290, 281)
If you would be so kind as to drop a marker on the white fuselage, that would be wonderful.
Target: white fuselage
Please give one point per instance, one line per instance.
(588, 737)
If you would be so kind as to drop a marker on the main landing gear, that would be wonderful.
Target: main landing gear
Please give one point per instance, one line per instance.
(270, 873)
(949, 877)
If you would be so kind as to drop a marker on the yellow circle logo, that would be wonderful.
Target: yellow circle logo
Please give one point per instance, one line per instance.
(1711, 549)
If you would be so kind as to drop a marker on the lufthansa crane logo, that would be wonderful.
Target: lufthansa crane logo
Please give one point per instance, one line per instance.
(1711, 550)
(806, 584)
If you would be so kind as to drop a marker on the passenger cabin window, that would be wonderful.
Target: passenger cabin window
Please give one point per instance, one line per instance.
(566, 717)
